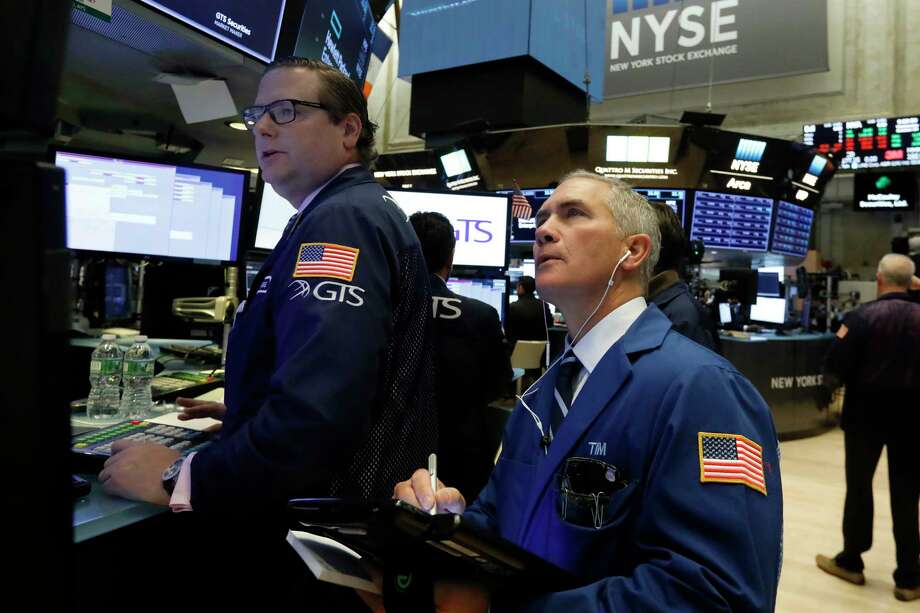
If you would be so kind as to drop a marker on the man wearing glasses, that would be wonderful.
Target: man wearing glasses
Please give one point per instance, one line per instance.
(329, 383)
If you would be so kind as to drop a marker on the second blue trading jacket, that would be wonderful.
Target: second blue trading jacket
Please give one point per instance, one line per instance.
(329, 383)
(668, 541)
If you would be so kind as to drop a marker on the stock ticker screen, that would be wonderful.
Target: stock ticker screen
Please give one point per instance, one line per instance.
(868, 143)
(792, 229)
(732, 221)
(674, 198)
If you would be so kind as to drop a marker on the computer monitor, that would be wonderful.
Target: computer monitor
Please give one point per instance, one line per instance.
(117, 300)
(732, 221)
(129, 206)
(273, 216)
(524, 225)
(725, 313)
(768, 281)
(253, 266)
(792, 229)
(674, 198)
(480, 222)
(769, 310)
(490, 291)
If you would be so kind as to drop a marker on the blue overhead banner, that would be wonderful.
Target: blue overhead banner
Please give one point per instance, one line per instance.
(660, 45)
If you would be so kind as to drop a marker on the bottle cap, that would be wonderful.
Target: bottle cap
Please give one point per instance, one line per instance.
(140, 339)
(108, 337)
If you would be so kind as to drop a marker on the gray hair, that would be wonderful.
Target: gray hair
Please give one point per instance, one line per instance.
(896, 269)
(631, 213)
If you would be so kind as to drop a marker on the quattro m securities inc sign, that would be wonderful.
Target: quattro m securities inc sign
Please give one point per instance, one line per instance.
(656, 45)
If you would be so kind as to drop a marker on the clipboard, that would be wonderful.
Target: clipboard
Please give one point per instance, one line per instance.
(448, 546)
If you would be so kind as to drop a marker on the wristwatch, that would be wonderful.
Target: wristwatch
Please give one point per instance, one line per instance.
(171, 475)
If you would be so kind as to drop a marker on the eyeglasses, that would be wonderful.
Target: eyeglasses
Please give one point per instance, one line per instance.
(281, 111)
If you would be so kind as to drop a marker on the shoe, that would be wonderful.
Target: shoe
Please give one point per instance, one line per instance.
(830, 566)
(907, 594)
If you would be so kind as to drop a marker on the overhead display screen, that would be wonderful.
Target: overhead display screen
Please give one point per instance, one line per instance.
(732, 221)
(251, 27)
(742, 163)
(340, 33)
(674, 198)
(893, 191)
(868, 143)
(126, 206)
(792, 229)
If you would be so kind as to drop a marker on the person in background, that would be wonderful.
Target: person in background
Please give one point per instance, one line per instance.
(642, 463)
(528, 317)
(471, 365)
(877, 356)
(329, 383)
(669, 292)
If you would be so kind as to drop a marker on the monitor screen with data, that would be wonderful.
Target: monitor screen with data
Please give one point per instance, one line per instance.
(274, 214)
(490, 291)
(126, 206)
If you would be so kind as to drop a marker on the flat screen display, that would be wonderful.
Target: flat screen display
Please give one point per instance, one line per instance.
(274, 214)
(792, 229)
(490, 291)
(868, 143)
(340, 33)
(732, 221)
(127, 206)
(674, 198)
(524, 223)
(251, 27)
(885, 191)
(480, 223)
(769, 310)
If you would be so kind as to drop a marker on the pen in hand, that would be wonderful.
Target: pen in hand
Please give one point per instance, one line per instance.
(433, 473)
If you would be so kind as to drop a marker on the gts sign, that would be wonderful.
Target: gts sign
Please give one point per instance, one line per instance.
(328, 291)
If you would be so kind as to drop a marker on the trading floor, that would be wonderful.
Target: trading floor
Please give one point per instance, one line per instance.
(813, 492)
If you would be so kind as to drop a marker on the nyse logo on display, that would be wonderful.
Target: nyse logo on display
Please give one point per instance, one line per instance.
(690, 22)
(748, 155)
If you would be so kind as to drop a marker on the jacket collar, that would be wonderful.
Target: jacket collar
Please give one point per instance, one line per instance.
(661, 282)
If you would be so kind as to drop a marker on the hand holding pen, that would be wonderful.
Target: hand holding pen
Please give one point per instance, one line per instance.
(426, 492)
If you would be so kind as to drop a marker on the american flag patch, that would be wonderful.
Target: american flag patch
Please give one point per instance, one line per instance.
(731, 458)
(326, 260)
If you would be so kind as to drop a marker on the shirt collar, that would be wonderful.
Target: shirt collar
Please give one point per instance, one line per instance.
(593, 345)
(312, 195)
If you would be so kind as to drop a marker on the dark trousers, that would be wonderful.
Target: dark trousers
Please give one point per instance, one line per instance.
(863, 450)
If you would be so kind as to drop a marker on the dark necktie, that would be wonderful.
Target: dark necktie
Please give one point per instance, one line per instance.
(565, 389)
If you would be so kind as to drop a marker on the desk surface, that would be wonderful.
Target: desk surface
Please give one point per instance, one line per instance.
(98, 513)
(756, 337)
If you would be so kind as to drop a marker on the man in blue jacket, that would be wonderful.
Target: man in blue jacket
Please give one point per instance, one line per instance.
(685, 511)
(329, 384)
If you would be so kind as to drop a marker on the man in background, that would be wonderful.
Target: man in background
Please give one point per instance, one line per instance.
(669, 292)
(528, 316)
(471, 365)
(877, 356)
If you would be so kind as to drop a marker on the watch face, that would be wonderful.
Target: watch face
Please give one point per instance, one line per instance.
(173, 469)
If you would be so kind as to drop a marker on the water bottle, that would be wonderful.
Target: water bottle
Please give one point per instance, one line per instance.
(104, 379)
(137, 375)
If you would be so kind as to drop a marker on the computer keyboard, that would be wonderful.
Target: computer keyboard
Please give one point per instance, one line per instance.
(92, 449)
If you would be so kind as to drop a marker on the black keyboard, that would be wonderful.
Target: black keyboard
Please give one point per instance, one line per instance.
(92, 449)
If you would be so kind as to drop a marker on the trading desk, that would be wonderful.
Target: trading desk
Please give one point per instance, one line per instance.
(786, 370)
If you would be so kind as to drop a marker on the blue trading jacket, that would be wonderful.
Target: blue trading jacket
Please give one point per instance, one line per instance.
(668, 541)
(329, 381)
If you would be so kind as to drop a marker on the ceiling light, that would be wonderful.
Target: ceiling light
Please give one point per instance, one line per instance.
(236, 125)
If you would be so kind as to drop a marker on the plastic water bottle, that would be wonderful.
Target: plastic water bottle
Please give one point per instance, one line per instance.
(137, 375)
(104, 380)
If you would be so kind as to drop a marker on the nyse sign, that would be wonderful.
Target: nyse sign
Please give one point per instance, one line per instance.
(666, 44)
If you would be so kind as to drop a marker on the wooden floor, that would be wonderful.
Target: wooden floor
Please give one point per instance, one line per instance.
(813, 490)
